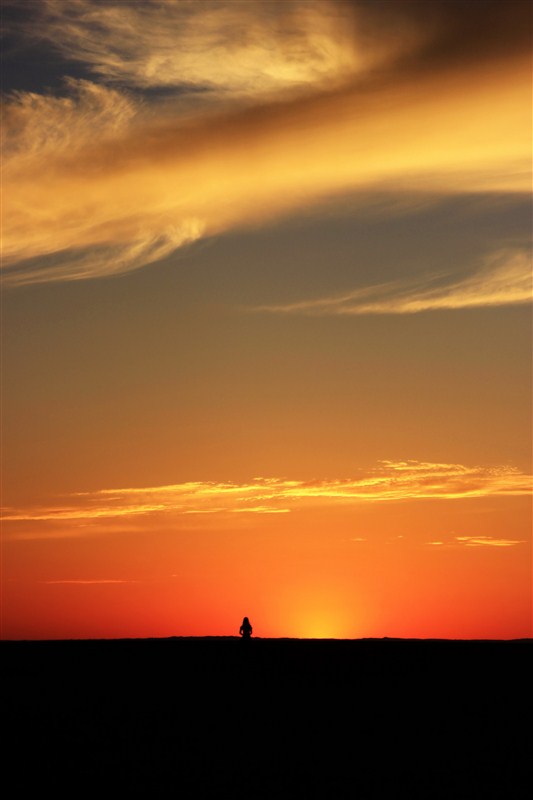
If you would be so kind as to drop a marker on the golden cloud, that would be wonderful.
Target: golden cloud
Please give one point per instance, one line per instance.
(104, 179)
(477, 541)
(504, 279)
(222, 49)
(391, 481)
(487, 541)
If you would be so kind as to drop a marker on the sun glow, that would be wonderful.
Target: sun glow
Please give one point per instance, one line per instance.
(320, 615)
(323, 625)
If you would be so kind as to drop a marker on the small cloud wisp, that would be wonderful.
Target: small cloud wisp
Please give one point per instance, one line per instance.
(505, 279)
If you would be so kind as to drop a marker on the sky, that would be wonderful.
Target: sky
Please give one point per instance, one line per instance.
(266, 343)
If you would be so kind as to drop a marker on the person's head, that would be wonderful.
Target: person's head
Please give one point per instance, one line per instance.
(246, 621)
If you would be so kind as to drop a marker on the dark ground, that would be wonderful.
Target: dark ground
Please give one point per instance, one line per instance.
(221, 717)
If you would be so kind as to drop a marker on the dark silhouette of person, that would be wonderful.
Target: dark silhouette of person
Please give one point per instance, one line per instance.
(246, 629)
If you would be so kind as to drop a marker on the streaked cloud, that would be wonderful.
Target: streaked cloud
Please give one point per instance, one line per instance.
(504, 279)
(92, 582)
(217, 48)
(271, 109)
(390, 481)
(477, 541)
(487, 541)
(237, 46)
(48, 125)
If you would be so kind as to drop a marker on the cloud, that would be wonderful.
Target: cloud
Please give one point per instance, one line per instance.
(505, 279)
(487, 541)
(390, 481)
(210, 48)
(293, 104)
(45, 136)
(478, 541)
(78, 582)
(39, 125)
(236, 48)
(104, 260)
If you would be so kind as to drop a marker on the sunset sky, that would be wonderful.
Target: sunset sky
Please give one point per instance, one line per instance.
(266, 318)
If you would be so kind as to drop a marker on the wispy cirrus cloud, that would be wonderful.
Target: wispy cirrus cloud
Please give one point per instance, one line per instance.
(271, 108)
(218, 49)
(487, 541)
(58, 236)
(390, 481)
(88, 582)
(504, 279)
(477, 541)
(237, 47)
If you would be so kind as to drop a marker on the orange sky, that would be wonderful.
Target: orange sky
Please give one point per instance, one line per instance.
(266, 302)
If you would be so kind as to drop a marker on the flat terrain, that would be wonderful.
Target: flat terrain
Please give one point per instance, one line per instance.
(222, 717)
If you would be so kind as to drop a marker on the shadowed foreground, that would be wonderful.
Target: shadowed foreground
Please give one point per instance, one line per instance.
(269, 717)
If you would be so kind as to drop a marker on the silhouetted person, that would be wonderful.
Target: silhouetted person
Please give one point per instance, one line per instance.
(246, 629)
